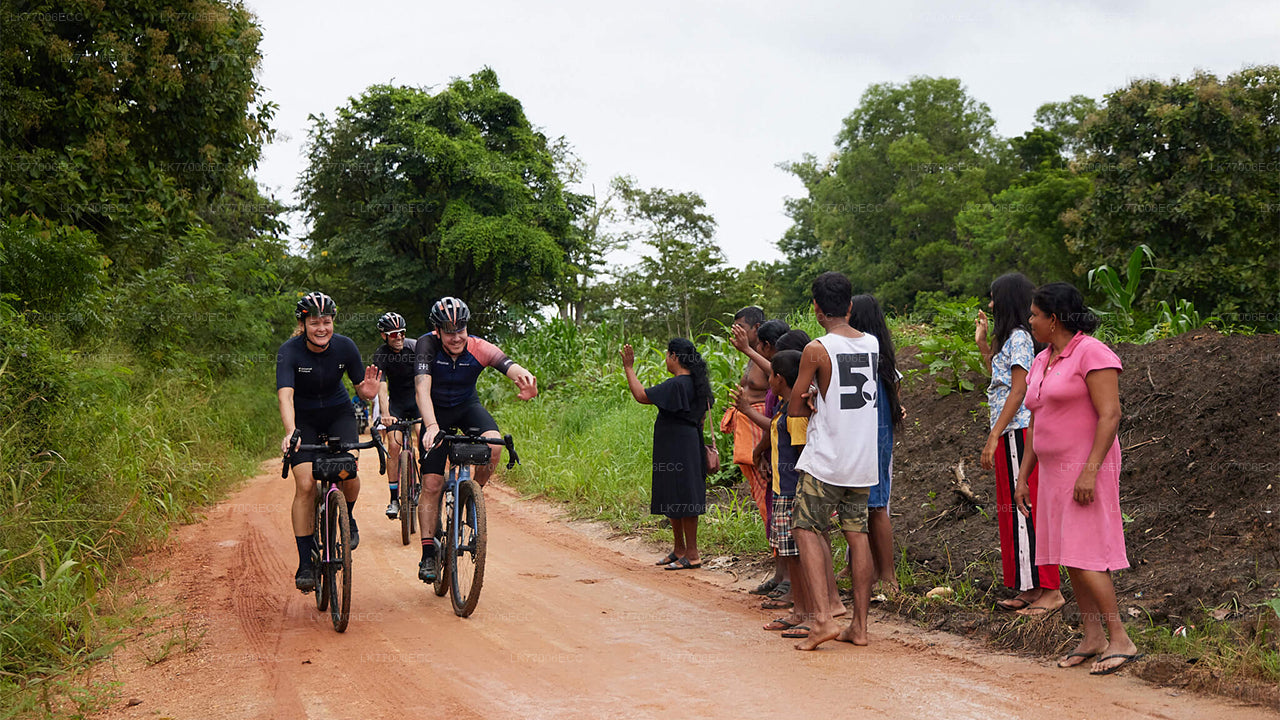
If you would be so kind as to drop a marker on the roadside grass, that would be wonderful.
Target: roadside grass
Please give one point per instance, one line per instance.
(123, 456)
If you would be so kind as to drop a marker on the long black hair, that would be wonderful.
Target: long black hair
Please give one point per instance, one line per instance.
(1011, 302)
(690, 359)
(867, 317)
(1065, 302)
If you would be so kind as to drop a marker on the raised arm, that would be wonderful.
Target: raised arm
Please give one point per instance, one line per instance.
(633, 382)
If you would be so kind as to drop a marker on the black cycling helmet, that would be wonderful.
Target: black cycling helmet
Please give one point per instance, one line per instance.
(315, 304)
(391, 322)
(450, 314)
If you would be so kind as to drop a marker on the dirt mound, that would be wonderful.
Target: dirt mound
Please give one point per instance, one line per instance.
(1200, 481)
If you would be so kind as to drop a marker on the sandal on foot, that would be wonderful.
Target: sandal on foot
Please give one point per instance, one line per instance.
(1083, 655)
(1012, 604)
(763, 588)
(777, 604)
(670, 558)
(783, 588)
(779, 624)
(799, 631)
(1126, 660)
(682, 564)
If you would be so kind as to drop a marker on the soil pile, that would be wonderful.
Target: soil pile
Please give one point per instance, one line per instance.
(1200, 480)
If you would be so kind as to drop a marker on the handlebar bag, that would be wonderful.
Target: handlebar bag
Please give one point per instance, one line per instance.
(469, 454)
(334, 468)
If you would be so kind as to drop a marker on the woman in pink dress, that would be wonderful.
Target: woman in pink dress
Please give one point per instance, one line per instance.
(1073, 392)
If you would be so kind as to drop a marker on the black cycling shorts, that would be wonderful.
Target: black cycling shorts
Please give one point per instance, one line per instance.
(464, 417)
(404, 411)
(334, 421)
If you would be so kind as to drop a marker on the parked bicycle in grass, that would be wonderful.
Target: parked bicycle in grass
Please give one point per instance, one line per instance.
(332, 465)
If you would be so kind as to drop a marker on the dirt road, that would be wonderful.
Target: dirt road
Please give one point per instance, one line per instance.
(570, 625)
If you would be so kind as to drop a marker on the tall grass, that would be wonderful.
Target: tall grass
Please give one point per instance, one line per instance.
(119, 456)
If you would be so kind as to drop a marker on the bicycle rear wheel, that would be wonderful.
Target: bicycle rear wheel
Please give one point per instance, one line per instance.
(338, 571)
(467, 558)
(441, 585)
(406, 497)
(322, 588)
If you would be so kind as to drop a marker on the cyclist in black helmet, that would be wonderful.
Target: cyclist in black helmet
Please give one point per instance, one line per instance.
(449, 362)
(395, 359)
(309, 370)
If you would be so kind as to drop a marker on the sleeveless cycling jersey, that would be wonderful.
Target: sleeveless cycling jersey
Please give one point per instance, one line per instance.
(316, 378)
(398, 369)
(453, 380)
(841, 446)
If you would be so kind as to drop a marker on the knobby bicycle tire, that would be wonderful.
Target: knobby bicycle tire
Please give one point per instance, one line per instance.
(340, 572)
(466, 560)
(441, 585)
(406, 497)
(322, 588)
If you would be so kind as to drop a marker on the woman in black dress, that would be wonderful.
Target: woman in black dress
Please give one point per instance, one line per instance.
(679, 462)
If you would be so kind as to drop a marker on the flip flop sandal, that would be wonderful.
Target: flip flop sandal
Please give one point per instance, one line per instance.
(781, 624)
(670, 558)
(683, 564)
(1086, 656)
(783, 588)
(1126, 660)
(776, 604)
(1009, 605)
(799, 631)
(763, 588)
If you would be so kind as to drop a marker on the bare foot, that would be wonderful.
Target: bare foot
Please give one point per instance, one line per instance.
(819, 634)
(850, 636)
(839, 611)
(1118, 653)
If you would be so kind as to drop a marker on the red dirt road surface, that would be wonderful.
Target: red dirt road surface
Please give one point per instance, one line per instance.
(570, 625)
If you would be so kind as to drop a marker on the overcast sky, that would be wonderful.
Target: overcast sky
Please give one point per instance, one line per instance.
(711, 96)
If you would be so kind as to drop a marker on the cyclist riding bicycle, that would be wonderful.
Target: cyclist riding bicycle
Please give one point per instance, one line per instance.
(449, 363)
(395, 358)
(309, 370)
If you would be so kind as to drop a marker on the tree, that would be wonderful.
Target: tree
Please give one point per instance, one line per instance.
(683, 286)
(909, 158)
(123, 120)
(1067, 120)
(417, 195)
(1189, 168)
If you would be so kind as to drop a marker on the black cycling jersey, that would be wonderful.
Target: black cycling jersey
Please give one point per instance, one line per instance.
(398, 371)
(316, 378)
(453, 380)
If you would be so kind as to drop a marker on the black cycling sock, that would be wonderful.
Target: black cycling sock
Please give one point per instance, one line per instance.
(395, 492)
(351, 512)
(306, 543)
(428, 548)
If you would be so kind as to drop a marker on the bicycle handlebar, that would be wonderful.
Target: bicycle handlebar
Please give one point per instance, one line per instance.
(334, 446)
(506, 441)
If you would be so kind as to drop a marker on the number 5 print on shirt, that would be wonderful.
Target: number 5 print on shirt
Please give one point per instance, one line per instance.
(855, 371)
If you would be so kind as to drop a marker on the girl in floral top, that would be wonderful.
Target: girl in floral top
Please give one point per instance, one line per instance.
(1009, 356)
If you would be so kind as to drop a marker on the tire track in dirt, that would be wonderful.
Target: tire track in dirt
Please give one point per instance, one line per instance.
(570, 625)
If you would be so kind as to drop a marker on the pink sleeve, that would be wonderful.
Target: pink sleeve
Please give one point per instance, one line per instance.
(1095, 355)
(486, 352)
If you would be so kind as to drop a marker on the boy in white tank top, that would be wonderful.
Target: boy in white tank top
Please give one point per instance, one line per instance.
(840, 463)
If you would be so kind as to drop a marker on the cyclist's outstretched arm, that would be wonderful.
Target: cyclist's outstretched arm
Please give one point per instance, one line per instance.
(422, 393)
(287, 417)
(384, 408)
(524, 380)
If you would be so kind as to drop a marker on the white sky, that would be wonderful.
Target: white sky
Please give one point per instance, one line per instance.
(709, 96)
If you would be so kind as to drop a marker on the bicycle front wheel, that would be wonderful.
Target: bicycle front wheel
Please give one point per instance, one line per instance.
(467, 557)
(406, 497)
(322, 588)
(338, 570)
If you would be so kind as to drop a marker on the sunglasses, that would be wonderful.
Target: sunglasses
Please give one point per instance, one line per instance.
(397, 333)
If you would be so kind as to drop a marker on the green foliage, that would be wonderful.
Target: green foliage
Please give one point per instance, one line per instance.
(1122, 294)
(124, 120)
(414, 196)
(1187, 167)
(1175, 321)
(50, 270)
(948, 353)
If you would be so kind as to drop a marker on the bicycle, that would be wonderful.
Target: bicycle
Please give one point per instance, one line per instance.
(332, 531)
(463, 538)
(410, 483)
